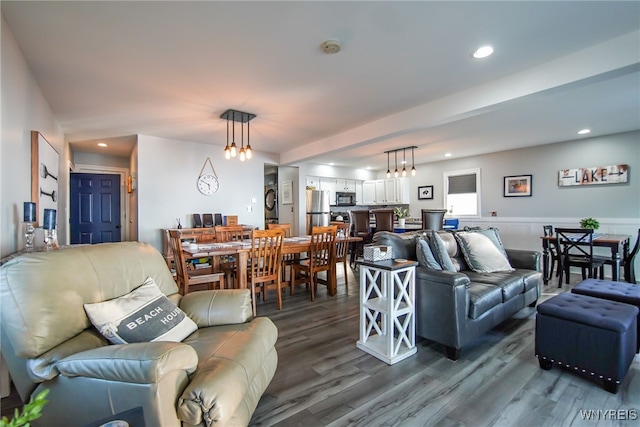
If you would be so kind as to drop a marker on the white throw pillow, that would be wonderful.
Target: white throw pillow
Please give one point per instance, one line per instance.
(482, 253)
(143, 315)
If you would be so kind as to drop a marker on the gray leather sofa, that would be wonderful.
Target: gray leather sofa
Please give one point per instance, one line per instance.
(454, 308)
(213, 377)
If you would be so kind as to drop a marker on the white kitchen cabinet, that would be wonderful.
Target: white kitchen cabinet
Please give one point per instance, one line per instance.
(359, 193)
(346, 185)
(386, 191)
(369, 193)
(402, 191)
(329, 184)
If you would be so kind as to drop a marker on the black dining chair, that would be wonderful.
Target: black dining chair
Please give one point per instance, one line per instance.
(576, 250)
(626, 264)
(384, 219)
(360, 227)
(553, 251)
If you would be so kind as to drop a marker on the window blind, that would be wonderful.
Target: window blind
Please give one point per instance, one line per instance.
(462, 184)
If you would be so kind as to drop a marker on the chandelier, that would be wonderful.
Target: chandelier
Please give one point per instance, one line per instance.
(231, 150)
(404, 161)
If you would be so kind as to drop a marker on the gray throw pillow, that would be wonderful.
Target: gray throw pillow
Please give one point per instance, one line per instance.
(439, 250)
(481, 252)
(425, 256)
(143, 315)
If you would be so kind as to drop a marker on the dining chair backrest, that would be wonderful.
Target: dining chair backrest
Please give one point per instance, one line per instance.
(575, 242)
(229, 233)
(384, 219)
(433, 219)
(286, 227)
(548, 230)
(342, 246)
(359, 221)
(265, 260)
(183, 278)
(322, 249)
(629, 266)
(178, 257)
(266, 251)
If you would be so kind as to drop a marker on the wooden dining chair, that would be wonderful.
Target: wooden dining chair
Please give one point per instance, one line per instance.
(228, 233)
(322, 257)
(628, 263)
(185, 278)
(553, 250)
(575, 247)
(287, 259)
(342, 250)
(265, 261)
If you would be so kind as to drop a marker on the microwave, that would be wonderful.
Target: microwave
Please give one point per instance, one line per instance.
(345, 199)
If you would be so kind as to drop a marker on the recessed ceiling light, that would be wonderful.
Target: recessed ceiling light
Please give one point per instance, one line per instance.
(584, 131)
(447, 154)
(483, 52)
(101, 144)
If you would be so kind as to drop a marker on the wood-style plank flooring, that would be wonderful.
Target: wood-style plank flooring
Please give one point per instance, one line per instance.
(324, 380)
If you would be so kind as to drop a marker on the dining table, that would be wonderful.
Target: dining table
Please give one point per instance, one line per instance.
(618, 245)
(240, 251)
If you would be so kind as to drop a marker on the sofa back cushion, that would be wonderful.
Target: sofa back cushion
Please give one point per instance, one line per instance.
(482, 254)
(446, 251)
(43, 294)
(404, 244)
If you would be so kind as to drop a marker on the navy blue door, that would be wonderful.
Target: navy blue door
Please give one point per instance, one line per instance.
(95, 208)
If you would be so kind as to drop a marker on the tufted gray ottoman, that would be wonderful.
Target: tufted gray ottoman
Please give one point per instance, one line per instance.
(589, 335)
(627, 293)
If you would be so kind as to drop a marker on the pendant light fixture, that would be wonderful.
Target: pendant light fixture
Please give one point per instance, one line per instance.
(231, 150)
(404, 161)
(395, 173)
(242, 155)
(388, 171)
(413, 166)
(227, 149)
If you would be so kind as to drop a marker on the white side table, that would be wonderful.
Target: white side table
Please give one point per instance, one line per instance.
(387, 317)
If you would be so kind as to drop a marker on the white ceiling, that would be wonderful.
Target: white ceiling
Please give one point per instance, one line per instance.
(404, 76)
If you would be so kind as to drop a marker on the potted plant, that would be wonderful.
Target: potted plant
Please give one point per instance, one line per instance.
(401, 213)
(31, 411)
(589, 223)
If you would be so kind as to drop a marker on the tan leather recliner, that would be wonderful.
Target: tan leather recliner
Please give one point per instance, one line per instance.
(214, 377)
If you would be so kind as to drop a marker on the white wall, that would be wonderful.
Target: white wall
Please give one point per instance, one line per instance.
(167, 174)
(24, 109)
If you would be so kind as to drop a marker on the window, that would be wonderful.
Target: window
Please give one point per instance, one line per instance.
(462, 192)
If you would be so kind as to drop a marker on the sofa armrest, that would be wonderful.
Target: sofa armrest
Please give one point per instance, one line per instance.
(221, 307)
(442, 277)
(142, 363)
(524, 259)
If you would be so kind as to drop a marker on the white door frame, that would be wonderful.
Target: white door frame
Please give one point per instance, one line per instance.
(124, 200)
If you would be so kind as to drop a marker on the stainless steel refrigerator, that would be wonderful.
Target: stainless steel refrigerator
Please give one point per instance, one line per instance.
(318, 213)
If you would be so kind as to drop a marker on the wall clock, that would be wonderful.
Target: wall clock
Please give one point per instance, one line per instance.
(208, 183)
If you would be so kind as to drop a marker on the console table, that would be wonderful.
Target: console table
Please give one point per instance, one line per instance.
(387, 316)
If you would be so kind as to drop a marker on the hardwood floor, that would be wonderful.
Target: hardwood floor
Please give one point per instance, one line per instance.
(324, 380)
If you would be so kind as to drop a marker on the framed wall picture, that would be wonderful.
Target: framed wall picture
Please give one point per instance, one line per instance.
(425, 192)
(287, 192)
(517, 186)
(44, 175)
